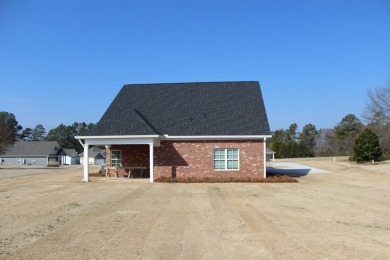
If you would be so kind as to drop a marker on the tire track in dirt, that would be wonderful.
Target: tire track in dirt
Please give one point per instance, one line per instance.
(166, 238)
(22, 225)
(201, 236)
(235, 235)
(273, 239)
(73, 238)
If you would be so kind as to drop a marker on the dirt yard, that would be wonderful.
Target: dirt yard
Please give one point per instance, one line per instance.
(343, 214)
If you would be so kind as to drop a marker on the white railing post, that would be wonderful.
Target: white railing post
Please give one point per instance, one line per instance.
(86, 175)
(151, 162)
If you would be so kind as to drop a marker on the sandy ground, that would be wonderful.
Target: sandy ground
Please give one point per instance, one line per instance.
(342, 214)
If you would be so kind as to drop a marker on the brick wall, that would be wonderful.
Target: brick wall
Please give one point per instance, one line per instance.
(195, 159)
(192, 158)
(132, 155)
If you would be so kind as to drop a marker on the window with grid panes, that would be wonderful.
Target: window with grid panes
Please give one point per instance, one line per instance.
(226, 159)
(116, 159)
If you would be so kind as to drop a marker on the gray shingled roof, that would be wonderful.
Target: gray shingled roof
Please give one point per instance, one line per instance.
(186, 109)
(70, 152)
(94, 151)
(34, 148)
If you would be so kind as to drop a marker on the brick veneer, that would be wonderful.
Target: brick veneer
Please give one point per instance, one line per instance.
(193, 158)
(132, 155)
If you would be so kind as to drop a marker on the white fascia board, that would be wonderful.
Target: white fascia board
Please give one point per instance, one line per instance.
(218, 137)
(116, 136)
(119, 139)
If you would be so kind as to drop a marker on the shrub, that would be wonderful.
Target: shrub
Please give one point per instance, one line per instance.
(367, 147)
(53, 165)
(385, 157)
(270, 179)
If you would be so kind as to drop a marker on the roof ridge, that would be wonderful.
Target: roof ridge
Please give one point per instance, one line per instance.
(191, 82)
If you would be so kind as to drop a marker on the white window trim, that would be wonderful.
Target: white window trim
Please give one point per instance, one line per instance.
(120, 152)
(226, 169)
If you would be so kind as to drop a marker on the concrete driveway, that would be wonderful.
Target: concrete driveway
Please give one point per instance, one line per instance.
(292, 169)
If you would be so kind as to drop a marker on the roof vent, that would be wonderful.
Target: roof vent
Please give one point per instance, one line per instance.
(191, 119)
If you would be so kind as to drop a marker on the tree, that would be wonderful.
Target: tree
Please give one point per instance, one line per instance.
(38, 133)
(65, 135)
(291, 144)
(291, 133)
(308, 139)
(325, 143)
(61, 135)
(9, 130)
(377, 114)
(367, 147)
(26, 134)
(346, 133)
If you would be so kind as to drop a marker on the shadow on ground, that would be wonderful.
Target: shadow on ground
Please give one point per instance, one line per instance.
(271, 171)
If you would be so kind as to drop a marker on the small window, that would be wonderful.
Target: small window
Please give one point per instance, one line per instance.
(116, 159)
(226, 159)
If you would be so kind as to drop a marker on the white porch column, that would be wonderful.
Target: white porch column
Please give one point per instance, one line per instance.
(86, 175)
(151, 162)
(265, 157)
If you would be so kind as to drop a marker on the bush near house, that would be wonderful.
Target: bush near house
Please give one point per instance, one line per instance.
(270, 179)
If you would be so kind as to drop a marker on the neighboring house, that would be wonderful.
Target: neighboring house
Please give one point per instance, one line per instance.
(210, 129)
(33, 153)
(270, 155)
(70, 158)
(96, 156)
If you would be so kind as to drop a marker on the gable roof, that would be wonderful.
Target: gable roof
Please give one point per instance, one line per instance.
(95, 152)
(70, 152)
(186, 109)
(33, 148)
(269, 151)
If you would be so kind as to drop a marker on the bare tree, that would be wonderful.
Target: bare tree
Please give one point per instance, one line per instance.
(377, 114)
(325, 143)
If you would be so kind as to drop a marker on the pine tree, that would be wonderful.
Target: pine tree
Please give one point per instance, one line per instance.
(367, 147)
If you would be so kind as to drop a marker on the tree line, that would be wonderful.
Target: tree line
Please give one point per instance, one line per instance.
(311, 142)
(11, 131)
(350, 137)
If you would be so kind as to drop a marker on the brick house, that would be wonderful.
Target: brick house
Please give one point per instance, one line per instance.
(214, 129)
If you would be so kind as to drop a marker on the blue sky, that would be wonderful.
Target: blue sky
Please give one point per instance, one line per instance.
(64, 61)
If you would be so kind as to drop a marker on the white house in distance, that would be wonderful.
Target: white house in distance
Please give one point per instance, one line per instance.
(270, 155)
(70, 158)
(96, 156)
